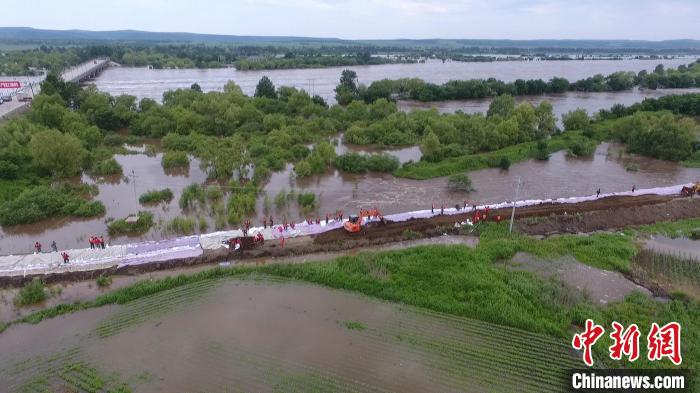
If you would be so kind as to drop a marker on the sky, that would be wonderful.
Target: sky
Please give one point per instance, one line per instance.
(367, 19)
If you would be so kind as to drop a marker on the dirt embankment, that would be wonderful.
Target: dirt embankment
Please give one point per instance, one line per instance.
(549, 218)
(602, 214)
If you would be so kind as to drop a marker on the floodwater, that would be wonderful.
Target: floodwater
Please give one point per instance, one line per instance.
(681, 246)
(560, 176)
(145, 83)
(208, 337)
(598, 285)
(562, 103)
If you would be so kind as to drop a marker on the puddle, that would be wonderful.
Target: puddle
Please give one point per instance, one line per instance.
(601, 286)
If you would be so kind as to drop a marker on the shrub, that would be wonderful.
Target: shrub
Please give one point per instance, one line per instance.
(38, 203)
(241, 203)
(104, 281)
(632, 167)
(214, 193)
(352, 162)
(32, 293)
(542, 152)
(8, 170)
(303, 168)
(581, 149)
(382, 163)
(190, 195)
(575, 120)
(156, 196)
(183, 225)
(106, 168)
(306, 200)
(113, 140)
(174, 159)
(460, 182)
(504, 163)
(142, 225)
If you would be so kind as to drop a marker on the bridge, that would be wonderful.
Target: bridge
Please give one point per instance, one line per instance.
(85, 71)
(31, 86)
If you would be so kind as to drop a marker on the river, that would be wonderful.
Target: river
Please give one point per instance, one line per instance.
(350, 192)
(562, 103)
(142, 82)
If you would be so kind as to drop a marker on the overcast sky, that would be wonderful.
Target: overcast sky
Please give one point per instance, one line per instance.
(514, 19)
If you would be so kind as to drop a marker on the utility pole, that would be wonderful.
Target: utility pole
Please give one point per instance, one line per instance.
(133, 180)
(515, 200)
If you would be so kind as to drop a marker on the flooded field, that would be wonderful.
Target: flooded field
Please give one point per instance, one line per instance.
(145, 83)
(350, 192)
(208, 337)
(682, 247)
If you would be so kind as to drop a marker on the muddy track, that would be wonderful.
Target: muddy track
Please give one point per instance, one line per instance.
(601, 214)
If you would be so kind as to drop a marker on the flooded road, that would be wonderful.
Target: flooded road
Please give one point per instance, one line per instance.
(145, 83)
(350, 192)
(207, 336)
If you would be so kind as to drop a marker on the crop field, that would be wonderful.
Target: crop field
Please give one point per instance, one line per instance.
(274, 335)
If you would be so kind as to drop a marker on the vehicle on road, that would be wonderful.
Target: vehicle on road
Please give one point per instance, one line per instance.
(6, 98)
(24, 97)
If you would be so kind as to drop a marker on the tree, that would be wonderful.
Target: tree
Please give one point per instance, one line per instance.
(346, 91)
(546, 121)
(265, 88)
(575, 120)
(58, 153)
(430, 147)
(195, 86)
(502, 105)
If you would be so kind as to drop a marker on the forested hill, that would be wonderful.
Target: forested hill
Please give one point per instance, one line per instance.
(28, 34)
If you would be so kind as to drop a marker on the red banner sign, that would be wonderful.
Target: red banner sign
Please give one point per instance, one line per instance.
(10, 85)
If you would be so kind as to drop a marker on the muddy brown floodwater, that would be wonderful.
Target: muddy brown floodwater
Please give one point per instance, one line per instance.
(559, 177)
(562, 103)
(209, 337)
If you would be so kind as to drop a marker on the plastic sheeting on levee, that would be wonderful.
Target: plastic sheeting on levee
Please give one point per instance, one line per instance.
(80, 256)
(192, 246)
(212, 241)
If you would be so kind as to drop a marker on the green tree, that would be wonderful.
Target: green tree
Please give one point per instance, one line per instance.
(502, 105)
(346, 91)
(60, 154)
(265, 88)
(430, 146)
(575, 120)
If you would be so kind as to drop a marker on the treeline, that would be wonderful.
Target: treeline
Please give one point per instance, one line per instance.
(420, 90)
(291, 60)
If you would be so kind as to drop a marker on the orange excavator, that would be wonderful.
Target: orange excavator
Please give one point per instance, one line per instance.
(355, 223)
(692, 190)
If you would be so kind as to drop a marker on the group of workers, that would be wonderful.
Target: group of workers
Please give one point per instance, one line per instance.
(97, 242)
(54, 248)
(478, 215)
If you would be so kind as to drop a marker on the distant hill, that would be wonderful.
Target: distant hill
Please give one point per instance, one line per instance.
(28, 34)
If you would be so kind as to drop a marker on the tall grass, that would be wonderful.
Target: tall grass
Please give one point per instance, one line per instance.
(32, 293)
